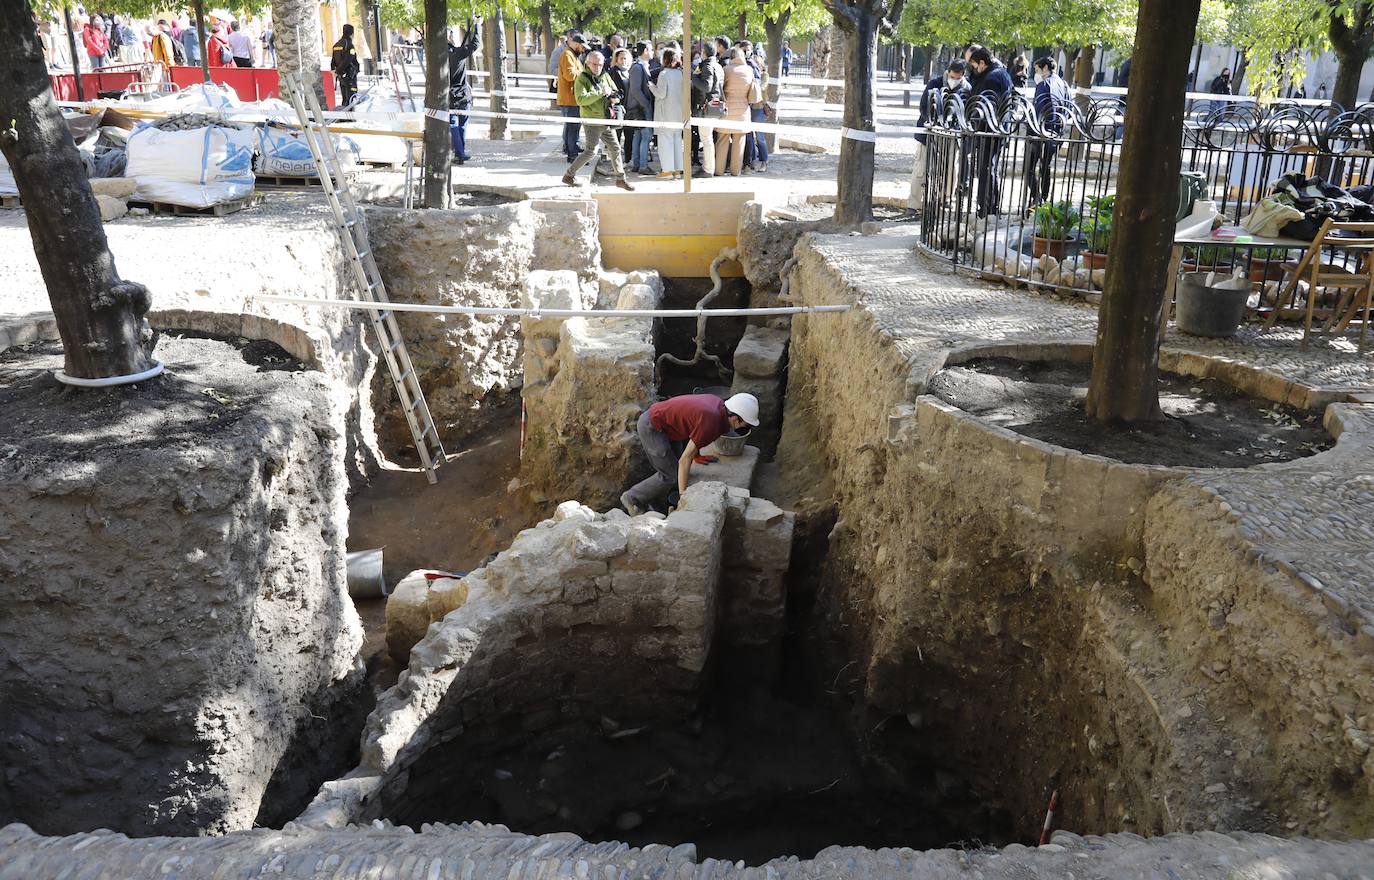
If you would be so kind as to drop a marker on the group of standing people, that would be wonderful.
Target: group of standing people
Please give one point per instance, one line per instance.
(979, 74)
(108, 39)
(616, 83)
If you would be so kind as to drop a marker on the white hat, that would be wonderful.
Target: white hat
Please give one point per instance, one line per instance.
(746, 406)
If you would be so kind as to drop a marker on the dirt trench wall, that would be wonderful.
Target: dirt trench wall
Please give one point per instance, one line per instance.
(1032, 615)
(172, 573)
(470, 257)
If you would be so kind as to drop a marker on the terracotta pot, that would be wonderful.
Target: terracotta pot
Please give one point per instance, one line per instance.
(1094, 260)
(1055, 247)
(1266, 270)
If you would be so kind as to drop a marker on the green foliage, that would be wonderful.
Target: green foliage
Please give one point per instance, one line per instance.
(1055, 220)
(1273, 34)
(1027, 23)
(1097, 224)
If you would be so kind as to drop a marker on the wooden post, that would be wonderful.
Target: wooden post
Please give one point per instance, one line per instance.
(687, 96)
(76, 61)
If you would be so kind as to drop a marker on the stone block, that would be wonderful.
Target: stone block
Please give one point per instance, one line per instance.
(769, 393)
(767, 544)
(556, 289)
(761, 353)
(600, 541)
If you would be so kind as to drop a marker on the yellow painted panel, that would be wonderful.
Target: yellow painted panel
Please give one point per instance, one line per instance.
(671, 213)
(674, 256)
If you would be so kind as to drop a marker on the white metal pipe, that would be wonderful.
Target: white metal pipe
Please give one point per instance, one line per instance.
(545, 313)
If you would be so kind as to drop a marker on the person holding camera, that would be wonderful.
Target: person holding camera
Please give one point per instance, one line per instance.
(598, 98)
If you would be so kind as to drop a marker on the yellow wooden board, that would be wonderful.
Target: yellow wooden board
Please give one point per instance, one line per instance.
(673, 213)
(674, 256)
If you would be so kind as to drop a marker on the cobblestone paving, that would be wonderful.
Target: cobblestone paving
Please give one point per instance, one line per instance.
(1313, 519)
(491, 851)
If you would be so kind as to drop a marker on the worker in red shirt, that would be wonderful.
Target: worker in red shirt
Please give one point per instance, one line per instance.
(695, 420)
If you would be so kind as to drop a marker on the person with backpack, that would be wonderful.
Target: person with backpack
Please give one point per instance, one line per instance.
(160, 45)
(218, 53)
(343, 60)
(596, 97)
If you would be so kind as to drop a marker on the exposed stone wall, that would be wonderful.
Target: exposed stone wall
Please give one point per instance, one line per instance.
(755, 559)
(586, 382)
(760, 370)
(1102, 609)
(172, 572)
(472, 257)
(766, 242)
(583, 614)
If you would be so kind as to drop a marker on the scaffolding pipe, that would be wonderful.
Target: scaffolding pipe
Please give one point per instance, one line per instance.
(538, 314)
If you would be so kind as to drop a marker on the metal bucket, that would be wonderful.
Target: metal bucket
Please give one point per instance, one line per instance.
(365, 579)
(1209, 311)
(730, 445)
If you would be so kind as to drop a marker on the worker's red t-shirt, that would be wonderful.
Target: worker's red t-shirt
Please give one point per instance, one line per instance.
(699, 417)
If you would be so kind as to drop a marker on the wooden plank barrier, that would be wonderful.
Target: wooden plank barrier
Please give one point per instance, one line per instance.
(679, 234)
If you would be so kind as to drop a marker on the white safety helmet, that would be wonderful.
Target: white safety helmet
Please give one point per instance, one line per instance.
(746, 406)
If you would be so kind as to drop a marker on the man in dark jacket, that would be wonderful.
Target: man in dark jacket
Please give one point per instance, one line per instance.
(459, 92)
(639, 104)
(1052, 98)
(933, 99)
(992, 83)
(344, 62)
(708, 82)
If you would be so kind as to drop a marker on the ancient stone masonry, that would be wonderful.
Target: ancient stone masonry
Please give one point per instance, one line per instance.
(1200, 639)
(586, 382)
(760, 360)
(175, 603)
(766, 243)
(758, 549)
(584, 614)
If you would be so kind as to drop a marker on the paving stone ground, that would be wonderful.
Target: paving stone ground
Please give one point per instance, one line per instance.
(1310, 518)
(475, 851)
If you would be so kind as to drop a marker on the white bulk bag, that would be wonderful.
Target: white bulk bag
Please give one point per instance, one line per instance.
(199, 98)
(196, 168)
(284, 153)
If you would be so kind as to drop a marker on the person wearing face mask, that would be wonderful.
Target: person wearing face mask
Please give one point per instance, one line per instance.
(618, 69)
(937, 94)
(639, 104)
(991, 82)
(1052, 100)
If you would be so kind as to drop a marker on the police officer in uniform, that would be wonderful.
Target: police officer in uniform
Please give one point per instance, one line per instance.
(344, 63)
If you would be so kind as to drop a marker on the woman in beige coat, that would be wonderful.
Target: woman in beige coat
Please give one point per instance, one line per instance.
(739, 82)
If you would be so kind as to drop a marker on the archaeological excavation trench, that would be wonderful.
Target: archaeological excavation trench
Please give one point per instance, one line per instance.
(906, 615)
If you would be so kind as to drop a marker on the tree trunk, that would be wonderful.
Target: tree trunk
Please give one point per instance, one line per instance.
(820, 57)
(1125, 374)
(369, 39)
(743, 26)
(776, 32)
(438, 145)
(99, 316)
(495, 50)
(1197, 69)
(1083, 76)
(1238, 81)
(204, 41)
(546, 30)
(1351, 41)
(839, 63)
(854, 178)
(296, 27)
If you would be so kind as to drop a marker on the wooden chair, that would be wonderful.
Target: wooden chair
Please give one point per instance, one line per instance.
(1356, 286)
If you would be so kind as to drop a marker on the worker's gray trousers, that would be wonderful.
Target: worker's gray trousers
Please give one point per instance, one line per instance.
(664, 458)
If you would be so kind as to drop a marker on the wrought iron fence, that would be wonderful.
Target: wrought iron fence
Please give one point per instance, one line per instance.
(997, 174)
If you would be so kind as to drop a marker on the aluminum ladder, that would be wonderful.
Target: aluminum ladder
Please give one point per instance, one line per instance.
(352, 229)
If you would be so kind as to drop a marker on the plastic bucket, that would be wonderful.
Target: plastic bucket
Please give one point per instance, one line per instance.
(365, 579)
(730, 444)
(1208, 311)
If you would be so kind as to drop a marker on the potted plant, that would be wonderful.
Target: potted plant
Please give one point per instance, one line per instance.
(1054, 224)
(1209, 258)
(1266, 263)
(1097, 229)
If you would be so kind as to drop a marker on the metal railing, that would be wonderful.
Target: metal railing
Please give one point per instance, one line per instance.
(990, 164)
